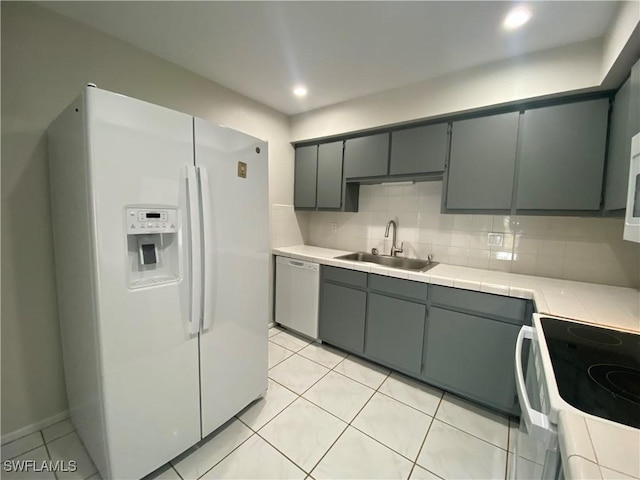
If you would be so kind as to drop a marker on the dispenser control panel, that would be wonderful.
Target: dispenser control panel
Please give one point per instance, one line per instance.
(151, 220)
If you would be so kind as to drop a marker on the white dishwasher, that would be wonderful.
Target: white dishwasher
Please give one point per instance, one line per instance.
(297, 291)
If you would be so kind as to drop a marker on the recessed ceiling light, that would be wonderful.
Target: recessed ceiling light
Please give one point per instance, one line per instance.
(300, 91)
(516, 18)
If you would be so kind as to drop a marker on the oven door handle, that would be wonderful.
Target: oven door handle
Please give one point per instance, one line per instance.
(538, 424)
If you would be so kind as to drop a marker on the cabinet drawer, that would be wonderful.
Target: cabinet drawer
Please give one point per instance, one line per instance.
(398, 286)
(511, 309)
(343, 275)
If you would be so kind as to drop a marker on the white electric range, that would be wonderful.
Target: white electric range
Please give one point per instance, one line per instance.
(570, 366)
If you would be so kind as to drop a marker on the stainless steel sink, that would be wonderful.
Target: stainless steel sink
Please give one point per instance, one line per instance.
(414, 264)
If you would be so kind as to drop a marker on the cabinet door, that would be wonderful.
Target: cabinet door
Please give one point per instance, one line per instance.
(395, 332)
(473, 356)
(306, 168)
(634, 112)
(418, 150)
(366, 156)
(330, 175)
(482, 163)
(619, 151)
(562, 156)
(342, 316)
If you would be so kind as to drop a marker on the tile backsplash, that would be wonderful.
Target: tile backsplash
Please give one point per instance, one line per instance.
(288, 227)
(572, 248)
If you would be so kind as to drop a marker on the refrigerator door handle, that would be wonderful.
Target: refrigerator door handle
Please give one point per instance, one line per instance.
(195, 254)
(209, 247)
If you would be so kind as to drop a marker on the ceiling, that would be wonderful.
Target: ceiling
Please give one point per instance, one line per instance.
(339, 50)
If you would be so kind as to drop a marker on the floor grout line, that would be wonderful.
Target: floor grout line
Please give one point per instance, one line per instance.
(349, 423)
(48, 453)
(175, 470)
(222, 459)
(415, 462)
(61, 436)
(472, 435)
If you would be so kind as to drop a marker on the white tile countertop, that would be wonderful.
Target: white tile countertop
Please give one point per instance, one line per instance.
(590, 447)
(604, 305)
(597, 449)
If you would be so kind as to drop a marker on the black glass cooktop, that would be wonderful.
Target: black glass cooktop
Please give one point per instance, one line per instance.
(597, 370)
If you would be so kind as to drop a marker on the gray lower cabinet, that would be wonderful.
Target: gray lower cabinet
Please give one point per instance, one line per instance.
(329, 188)
(561, 162)
(366, 156)
(420, 150)
(472, 356)
(306, 169)
(458, 340)
(482, 163)
(342, 316)
(394, 333)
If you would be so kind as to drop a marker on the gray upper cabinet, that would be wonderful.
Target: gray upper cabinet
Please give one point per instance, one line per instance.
(634, 112)
(306, 169)
(330, 175)
(418, 150)
(562, 156)
(615, 196)
(625, 123)
(366, 156)
(482, 163)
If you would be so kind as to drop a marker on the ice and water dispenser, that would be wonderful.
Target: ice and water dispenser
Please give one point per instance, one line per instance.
(153, 246)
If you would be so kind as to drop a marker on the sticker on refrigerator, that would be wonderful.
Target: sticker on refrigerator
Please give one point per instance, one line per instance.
(242, 170)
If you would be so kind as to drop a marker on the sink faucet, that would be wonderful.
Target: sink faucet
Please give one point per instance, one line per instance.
(394, 250)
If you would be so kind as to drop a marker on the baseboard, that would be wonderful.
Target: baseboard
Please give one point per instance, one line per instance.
(34, 427)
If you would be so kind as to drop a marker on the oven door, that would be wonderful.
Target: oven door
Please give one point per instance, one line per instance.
(536, 454)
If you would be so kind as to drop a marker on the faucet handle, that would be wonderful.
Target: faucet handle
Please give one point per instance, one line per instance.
(401, 249)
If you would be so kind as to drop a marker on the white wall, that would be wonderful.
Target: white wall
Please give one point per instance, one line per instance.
(46, 60)
(567, 69)
(580, 67)
(622, 40)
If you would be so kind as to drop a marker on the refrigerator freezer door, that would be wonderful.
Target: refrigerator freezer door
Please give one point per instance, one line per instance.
(233, 346)
(137, 155)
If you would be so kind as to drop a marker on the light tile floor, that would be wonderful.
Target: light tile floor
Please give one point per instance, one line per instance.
(325, 415)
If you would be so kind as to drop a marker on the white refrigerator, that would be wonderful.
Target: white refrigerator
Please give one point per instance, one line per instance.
(161, 238)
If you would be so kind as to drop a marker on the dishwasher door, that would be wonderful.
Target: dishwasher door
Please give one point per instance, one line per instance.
(297, 292)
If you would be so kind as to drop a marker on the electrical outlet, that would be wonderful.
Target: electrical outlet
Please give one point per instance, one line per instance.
(334, 227)
(495, 239)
